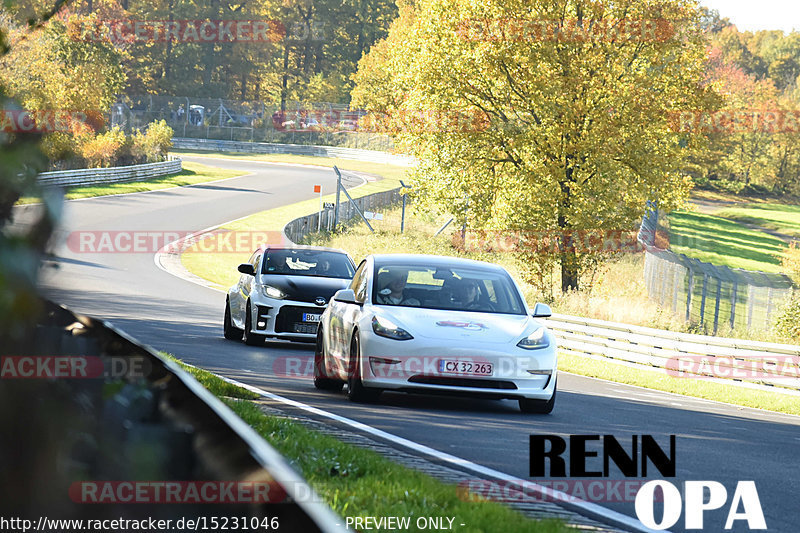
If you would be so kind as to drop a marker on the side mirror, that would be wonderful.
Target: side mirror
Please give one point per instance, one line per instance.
(346, 296)
(542, 311)
(247, 268)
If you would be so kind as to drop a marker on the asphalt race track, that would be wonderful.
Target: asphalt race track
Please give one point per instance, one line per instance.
(714, 441)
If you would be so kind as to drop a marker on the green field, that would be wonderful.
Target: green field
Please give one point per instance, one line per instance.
(778, 217)
(714, 239)
(192, 174)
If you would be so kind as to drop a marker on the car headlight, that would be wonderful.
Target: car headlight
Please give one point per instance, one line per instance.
(271, 292)
(386, 328)
(534, 341)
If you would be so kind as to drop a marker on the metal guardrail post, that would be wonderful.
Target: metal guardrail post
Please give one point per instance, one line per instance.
(716, 305)
(733, 302)
(338, 188)
(689, 291)
(703, 294)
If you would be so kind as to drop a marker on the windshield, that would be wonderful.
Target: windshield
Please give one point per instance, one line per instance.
(462, 289)
(316, 263)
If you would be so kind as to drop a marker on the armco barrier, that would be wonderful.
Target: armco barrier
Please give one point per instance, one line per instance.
(760, 365)
(294, 149)
(300, 227)
(127, 419)
(100, 176)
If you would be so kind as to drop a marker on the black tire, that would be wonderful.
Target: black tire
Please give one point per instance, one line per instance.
(356, 391)
(231, 332)
(251, 339)
(321, 379)
(538, 407)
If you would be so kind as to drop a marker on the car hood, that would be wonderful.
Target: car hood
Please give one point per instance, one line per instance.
(305, 288)
(448, 325)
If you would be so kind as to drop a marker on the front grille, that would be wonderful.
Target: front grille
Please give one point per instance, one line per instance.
(290, 320)
(464, 382)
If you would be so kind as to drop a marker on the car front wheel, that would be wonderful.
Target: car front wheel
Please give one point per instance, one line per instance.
(356, 391)
(231, 332)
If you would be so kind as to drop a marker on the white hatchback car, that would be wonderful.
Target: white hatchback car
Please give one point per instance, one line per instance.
(282, 292)
(431, 324)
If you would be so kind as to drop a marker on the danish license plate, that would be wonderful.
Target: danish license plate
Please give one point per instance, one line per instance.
(464, 368)
(305, 328)
(311, 317)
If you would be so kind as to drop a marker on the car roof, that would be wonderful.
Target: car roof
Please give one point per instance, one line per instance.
(433, 261)
(265, 247)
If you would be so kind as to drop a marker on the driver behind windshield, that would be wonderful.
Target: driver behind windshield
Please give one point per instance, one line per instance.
(393, 291)
(470, 296)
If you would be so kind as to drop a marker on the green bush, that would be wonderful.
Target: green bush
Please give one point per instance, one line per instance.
(787, 323)
(59, 146)
(153, 145)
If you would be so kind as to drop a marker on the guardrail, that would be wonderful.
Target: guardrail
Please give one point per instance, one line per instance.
(100, 176)
(295, 149)
(300, 227)
(760, 365)
(141, 421)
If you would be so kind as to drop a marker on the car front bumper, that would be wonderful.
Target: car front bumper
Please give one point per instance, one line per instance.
(286, 319)
(416, 365)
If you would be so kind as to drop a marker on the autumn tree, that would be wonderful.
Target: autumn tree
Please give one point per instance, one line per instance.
(573, 99)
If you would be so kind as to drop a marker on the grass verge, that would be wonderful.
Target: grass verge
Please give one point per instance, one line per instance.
(192, 174)
(698, 388)
(220, 268)
(357, 482)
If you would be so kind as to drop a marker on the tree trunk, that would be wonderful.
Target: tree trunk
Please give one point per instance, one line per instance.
(285, 80)
(570, 272)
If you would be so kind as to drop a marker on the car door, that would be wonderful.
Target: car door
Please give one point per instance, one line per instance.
(344, 317)
(236, 301)
(247, 284)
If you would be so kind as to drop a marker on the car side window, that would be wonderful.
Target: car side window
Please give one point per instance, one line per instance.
(359, 283)
(256, 261)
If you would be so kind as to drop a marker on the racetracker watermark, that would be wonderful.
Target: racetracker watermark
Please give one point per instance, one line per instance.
(735, 121)
(572, 490)
(732, 367)
(570, 30)
(47, 121)
(182, 31)
(417, 121)
(73, 367)
(557, 241)
(302, 367)
(142, 242)
(183, 492)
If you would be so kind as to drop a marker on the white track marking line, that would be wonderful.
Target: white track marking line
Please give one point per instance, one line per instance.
(591, 508)
(192, 278)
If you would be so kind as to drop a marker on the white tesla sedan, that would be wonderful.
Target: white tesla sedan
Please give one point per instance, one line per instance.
(419, 323)
(282, 292)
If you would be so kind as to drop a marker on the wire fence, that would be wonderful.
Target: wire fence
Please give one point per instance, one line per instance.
(299, 228)
(256, 121)
(705, 294)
